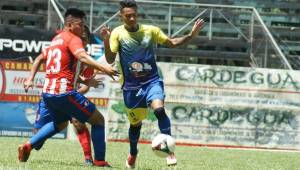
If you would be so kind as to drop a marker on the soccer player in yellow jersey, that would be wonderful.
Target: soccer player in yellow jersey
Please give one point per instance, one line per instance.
(141, 86)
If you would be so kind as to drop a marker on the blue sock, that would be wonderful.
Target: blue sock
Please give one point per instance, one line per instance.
(38, 146)
(98, 139)
(134, 135)
(47, 131)
(164, 122)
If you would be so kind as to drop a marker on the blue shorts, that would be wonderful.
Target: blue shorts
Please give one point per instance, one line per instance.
(137, 101)
(42, 115)
(64, 106)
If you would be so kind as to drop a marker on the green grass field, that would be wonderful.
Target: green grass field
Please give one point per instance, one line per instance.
(65, 154)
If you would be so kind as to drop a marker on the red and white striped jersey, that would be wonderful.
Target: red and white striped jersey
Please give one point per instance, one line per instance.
(61, 63)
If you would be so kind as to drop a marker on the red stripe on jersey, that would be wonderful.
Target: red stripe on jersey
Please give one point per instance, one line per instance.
(61, 62)
(85, 111)
(57, 87)
(48, 88)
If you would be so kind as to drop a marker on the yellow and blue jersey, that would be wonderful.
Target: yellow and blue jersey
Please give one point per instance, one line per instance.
(136, 52)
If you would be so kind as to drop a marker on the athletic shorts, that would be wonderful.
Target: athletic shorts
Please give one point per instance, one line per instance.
(42, 115)
(63, 107)
(136, 101)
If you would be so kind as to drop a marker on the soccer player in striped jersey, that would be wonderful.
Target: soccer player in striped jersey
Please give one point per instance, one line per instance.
(59, 95)
(142, 86)
(43, 116)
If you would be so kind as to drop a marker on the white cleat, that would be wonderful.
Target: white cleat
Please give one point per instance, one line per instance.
(171, 160)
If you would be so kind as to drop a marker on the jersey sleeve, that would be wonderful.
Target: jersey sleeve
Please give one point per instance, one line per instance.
(114, 41)
(159, 36)
(75, 45)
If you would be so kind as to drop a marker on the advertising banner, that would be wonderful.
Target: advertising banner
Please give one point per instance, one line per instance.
(17, 119)
(18, 109)
(225, 106)
(20, 42)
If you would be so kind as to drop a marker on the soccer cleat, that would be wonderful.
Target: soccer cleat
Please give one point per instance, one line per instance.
(24, 152)
(130, 162)
(89, 162)
(101, 163)
(171, 160)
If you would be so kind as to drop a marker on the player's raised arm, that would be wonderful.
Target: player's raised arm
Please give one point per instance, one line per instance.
(36, 64)
(85, 58)
(174, 42)
(76, 48)
(105, 35)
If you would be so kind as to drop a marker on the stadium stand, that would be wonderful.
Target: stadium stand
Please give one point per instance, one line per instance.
(32, 13)
(227, 47)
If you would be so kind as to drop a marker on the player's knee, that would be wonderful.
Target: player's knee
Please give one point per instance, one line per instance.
(78, 125)
(96, 119)
(136, 124)
(160, 113)
(61, 126)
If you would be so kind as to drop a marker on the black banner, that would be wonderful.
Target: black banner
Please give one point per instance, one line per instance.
(19, 42)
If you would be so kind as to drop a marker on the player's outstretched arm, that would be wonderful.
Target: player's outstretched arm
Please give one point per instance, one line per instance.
(174, 42)
(87, 83)
(83, 89)
(36, 64)
(105, 35)
(88, 60)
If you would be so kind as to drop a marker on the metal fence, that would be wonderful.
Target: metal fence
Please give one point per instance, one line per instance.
(231, 33)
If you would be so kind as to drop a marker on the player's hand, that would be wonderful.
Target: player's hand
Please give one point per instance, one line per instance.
(28, 84)
(104, 32)
(96, 82)
(197, 27)
(82, 79)
(109, 70)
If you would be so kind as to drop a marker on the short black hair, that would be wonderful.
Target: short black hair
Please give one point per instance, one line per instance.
(128, 4)
(74, 12)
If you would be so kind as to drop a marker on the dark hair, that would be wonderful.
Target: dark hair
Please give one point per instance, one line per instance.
(128, 4)
(87, 32)
(74, 12)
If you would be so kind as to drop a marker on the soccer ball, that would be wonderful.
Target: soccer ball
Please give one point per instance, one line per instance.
(163, 145)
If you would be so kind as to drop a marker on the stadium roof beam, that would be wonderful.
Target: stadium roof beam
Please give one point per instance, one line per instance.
(283, 58)
(91, 14)
(237, 29)
(107, 21)
(188, 23)
(57, 11)
(193, 4)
